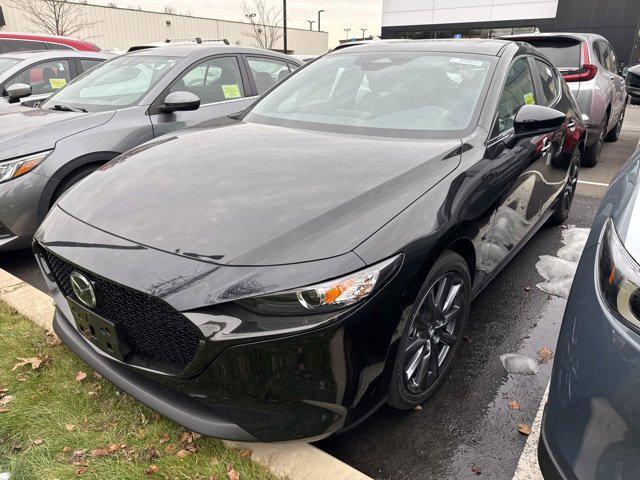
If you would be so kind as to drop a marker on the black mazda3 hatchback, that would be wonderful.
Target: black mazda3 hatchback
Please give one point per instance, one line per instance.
(281, 274)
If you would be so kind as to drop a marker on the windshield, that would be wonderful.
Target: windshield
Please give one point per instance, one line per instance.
(7, 63)
(563, 53)
(116, 84)
(393, 93)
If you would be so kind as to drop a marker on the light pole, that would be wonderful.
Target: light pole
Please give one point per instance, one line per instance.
(347, 30)
(284, 21)
(319, 12)
(363, 30)
(311, 22)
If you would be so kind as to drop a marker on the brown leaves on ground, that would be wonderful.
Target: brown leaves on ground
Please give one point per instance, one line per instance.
(524, 429)
(77, 457)
(5, 400)
(245, 453)
(81, 470)
(80, 376)
(164, 439)
(69, 427)
(544, 355)
(153, 468)
(183, 453)
(187, 442)
(513, 405)
(231, 473)
(36, 362)
(476, 469)
(38, 441)
(4, 410)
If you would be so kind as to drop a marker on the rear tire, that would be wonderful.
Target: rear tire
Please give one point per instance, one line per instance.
(592, 153)
(71, 180)
(563, 207)
(615, 133)
(433, 332)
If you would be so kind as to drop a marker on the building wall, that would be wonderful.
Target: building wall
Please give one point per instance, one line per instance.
(616, 20)
(119, 28)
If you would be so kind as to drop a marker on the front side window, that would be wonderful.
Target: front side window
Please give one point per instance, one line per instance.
(518, 90)
(46, 77)
(115, 84)
(549, 81)
(212, 81)
(267, 72)
(392, 93)
(89, 63)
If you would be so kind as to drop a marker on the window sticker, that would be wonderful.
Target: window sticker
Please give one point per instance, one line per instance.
(57, 83)
(529, 99)
(231, 91)
(466, 61)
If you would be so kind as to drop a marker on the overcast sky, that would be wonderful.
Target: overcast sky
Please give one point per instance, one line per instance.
(339, 14)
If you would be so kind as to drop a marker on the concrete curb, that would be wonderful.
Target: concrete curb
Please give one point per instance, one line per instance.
(290, 460)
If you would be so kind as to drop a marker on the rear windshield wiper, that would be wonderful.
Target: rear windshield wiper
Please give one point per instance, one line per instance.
(67, 108)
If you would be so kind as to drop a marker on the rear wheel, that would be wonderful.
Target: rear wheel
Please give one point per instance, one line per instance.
(615, 133)
(563, 207)
(592, 153)
(433, 332)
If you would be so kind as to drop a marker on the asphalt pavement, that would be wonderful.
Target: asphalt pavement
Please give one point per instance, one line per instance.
(468, 428)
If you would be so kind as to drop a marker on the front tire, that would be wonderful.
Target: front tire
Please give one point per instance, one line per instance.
(563, 207)
(592, 153)
(433, 332)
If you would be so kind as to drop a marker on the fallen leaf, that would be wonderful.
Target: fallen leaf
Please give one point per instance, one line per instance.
(186, 437)
(245, 453)
(81, 376)
(170, 449)
(183, 453)
(21, 378)
(418, 408)
(213, 477)
(52, 339)
(3, 390)
(544, 355)
(69, 427)
(513, 405)
(4, 410)
(66, 449)
(114, 447)
(164, 439)
(35, 362)
(4, 401)
(151, 470)
(524, 429)
(195, 435)
(77, 456)
(81, 470)
(100, 452)
(231, 473)
(38, 441)
(476, 469)
(96, 376)
(151, 454)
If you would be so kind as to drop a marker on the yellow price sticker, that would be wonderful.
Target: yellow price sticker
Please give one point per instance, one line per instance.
(529, 99)
(231, 91)
(57, 83)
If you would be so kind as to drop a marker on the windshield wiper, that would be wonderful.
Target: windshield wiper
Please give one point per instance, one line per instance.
(67, 108)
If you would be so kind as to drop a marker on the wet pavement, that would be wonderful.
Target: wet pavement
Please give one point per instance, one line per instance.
(468, 422)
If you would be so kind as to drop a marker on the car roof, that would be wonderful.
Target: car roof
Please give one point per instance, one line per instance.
(573, 35)
(482, 46)
(45, 54)
(201, 50)
(43, 37)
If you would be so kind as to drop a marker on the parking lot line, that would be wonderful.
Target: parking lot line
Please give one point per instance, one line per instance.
(528, 468)
(599, 184)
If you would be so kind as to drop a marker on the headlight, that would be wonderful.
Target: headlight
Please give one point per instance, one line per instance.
(619, 277)
(19, 166)
(327, 296)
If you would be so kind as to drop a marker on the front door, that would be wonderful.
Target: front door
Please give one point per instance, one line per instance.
(217, 82)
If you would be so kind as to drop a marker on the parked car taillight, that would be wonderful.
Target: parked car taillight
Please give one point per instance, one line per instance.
(619, 277)
(587, 70)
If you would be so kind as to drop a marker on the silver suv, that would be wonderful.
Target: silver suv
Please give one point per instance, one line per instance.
(589, 65)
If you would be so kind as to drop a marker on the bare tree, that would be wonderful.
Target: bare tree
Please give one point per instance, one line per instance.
(168, 9)
(56, 17)
(265, 23)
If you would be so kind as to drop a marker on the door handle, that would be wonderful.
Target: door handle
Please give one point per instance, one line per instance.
(546, 145)
(571, 125)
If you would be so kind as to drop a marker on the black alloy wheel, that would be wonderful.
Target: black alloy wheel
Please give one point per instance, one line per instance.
(592, 153)
(566, 200)
(433, 333)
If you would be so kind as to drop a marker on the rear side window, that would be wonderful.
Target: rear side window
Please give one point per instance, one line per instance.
(267, 72)
(518, 90)
(548, 80)
(7, 45)
(88, 64)
(563, 53)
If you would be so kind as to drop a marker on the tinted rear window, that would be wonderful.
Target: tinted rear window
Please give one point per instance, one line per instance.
(562, 53)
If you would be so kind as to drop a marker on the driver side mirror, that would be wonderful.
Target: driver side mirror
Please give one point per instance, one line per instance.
(633, 82)
(18, 90)
(180, 102)
(536, 119)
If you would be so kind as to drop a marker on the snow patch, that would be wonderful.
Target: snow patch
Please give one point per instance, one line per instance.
(521, 364)
(559, 271)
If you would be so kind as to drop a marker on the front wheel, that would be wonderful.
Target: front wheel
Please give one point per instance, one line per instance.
(433, 332)
(563, 206)
(592, 152)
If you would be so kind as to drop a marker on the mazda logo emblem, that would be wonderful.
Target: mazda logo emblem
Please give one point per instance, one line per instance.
(83, 288)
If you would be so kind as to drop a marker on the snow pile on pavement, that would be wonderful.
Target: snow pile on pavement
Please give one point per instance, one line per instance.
(559, 271)
(520, 364)
(5, 476)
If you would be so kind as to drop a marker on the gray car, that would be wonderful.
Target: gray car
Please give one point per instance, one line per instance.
(115, 107)
(590, 67)
(33, 76)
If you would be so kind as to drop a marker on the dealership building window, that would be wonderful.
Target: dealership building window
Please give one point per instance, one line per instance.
(466, 33)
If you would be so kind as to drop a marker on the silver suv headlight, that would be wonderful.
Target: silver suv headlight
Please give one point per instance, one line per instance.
(17, 167)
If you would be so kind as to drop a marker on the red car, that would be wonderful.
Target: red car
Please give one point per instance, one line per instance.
(17, 42)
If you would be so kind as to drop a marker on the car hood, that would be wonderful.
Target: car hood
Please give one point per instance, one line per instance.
(25, 130)
(250, 194)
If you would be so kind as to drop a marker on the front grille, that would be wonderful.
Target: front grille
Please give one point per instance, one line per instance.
(159, 336)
